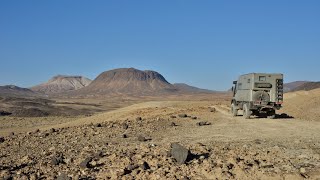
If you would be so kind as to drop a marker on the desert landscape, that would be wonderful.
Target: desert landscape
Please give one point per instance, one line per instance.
(133, 124)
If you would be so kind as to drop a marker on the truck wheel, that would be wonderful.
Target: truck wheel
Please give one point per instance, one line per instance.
(272, 114)
(234, 110)
(246, 111)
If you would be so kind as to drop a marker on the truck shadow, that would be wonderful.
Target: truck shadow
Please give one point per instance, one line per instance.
(284, 116)
(277, 116)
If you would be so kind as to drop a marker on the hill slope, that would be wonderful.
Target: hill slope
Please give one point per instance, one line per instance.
(61, 83)
(303, 104)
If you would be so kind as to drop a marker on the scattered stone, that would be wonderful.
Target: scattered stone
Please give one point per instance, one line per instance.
(98, 125)
(98, 154)
(212, 109)
(124, 136)
(302, 170)
(37, 131)
(63, 176)
(2, 139)
(258, 141)
(194, 117)
(125, 126)
(52, 130)
(185, 178)
(203, 123)
(7, 177)
(179, 153)
(131, 167)
(183, 115)
(11, 134)
(86, 163)
(126, 171)
(56, 160)
(141, 138)
(173, 124)
(139, 118)
(145, 166)
(173, 117)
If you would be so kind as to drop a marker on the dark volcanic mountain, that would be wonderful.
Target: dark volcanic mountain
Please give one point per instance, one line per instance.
(61, 84)
(128, 81)
(11, 90)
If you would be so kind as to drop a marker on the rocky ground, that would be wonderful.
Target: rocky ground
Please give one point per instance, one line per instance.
(166, 140)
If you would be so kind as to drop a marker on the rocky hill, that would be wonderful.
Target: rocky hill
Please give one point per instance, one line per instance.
(61, 84)
(307, 86)
(128, 81)
(11, 90)
(293, 85)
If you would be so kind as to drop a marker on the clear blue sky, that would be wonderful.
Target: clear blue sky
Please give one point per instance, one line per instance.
(205, 43)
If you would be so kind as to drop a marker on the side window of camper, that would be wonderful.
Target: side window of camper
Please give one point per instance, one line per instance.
(239, 85)
(262, 78)
(249, 80)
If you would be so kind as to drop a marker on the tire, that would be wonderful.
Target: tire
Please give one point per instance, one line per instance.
(272, 114)
(234, 110)
(246, 111)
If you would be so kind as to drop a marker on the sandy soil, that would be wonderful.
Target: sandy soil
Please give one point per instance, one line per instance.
(226, 148)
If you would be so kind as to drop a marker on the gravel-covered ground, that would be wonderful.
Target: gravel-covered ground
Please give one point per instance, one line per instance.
(141, 148)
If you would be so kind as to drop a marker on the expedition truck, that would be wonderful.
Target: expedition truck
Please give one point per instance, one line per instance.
(257, 94)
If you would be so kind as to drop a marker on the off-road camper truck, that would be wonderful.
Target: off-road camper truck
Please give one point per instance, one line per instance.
(257, 94)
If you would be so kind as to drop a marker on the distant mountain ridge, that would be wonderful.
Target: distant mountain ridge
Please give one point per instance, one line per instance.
(293, 85)
(61, 84)
(307, 86)
(12, 90)
(182, 87)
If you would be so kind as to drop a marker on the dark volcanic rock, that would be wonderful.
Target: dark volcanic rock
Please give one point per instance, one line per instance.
(52, 130)
(173, 124)
(1, 139)
(179, 153)
(203, 123)
(98, 125)
(5, 113)
(145, 166)
(183, 115)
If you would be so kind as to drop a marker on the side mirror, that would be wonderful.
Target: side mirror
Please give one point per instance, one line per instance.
(232, 89)
(234, 82)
